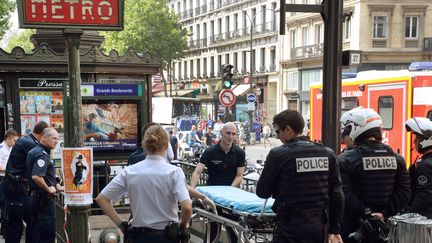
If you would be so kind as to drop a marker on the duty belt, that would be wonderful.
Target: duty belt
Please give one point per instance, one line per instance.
(41, 194)
(145, 230)
(16, 178)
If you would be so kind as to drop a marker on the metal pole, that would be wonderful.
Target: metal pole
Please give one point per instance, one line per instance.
(78, 217)
(250, 82)
(332, 73)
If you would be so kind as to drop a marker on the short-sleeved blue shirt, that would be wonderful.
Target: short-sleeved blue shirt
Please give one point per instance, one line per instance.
(221, 166)
(17, 159)
(39, 163)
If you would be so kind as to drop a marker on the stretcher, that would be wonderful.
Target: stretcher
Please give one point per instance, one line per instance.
(250, 217)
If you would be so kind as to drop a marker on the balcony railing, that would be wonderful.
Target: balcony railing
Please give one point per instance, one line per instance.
(307, 51)
(379, 43)
(411, 43)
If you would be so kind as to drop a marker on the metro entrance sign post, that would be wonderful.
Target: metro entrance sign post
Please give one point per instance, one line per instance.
(73, 16)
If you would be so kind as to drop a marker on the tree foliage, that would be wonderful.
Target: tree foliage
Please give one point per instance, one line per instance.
(6, 8)
(150, 26)
(21, 39)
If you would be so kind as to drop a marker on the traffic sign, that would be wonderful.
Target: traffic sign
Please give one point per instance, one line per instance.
(250, 106)
(251, 98)
(227, 97)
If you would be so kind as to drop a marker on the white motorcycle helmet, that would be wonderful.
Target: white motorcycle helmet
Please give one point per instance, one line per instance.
(422, 127)
(363, 121)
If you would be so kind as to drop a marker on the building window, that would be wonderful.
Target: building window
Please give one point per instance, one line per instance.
(253, 57)
(310, 77)
(205, 74)
(273, 58)
(380, 27)
(385, 110)
(262, 54)
(305, 31)
(179, 70)
(244, 60)
(293, 38)
(347, 29)
(227, 60)
(411, 27)
(212, 74)
(191, 67)
(292, 81)
(185, 70)
(235, 62)
(318, 34)
(219, 65)
(199, 68)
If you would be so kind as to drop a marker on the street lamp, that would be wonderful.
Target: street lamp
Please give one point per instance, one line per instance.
(250, 64)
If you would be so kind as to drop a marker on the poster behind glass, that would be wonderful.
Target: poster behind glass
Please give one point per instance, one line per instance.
(36, 106)
(110, 126)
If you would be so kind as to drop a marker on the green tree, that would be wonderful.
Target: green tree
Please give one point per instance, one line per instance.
(21, 39)
(150, 26)
(6, 8)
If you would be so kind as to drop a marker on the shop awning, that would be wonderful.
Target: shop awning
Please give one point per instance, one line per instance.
(190, 93)
(241, 89)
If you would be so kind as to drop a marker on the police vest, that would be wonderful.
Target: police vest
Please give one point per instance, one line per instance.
(304, 181)
(376, 172)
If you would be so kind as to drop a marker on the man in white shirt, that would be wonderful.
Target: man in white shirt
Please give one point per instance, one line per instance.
(10, 138)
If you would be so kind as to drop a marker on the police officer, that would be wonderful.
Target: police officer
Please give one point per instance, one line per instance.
(375, 179)
(16, 191)
(43, 186)
(421, 170)
(303, 177)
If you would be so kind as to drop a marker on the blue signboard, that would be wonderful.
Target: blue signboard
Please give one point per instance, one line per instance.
(110, 90)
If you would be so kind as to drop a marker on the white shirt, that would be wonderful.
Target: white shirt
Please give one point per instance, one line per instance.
(169, 155)
(154, 188)
(4, 155)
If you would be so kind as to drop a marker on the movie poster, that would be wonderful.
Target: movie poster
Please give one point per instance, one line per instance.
(27, 102)
(77, 168)
(27, 124)
(110, 126)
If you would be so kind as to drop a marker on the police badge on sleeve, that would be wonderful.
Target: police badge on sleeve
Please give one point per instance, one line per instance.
(41, 163)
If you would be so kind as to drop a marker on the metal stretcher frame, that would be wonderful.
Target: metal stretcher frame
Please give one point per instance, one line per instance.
(249, 227)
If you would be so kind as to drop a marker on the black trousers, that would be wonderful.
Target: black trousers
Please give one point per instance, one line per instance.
(300, 228)
(17, 209)
(42, 227)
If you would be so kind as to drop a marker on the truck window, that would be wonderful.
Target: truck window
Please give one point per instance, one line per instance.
(385, 110)
(429, 115)
(349, 103)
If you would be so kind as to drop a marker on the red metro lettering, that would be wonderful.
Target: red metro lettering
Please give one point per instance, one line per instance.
(72, 11)
(312, 164)
(380, 163)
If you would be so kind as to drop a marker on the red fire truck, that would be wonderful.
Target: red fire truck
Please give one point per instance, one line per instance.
(395, 95)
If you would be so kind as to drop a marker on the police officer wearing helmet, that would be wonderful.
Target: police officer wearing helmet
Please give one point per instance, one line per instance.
(421, 171)
(43, 186)
(375, 180)
(16, 191)
(303, 177)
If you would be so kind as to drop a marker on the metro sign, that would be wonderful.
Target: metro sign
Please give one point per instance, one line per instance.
(71, 14)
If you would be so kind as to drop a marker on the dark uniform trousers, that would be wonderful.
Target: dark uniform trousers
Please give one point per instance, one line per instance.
(42, 227)
(306, 226)
(149, 236)
(301, 208)
(17, 209)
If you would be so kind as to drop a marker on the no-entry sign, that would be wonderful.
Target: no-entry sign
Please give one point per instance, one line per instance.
(227, 97)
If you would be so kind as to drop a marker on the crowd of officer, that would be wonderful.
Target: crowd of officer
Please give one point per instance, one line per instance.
(318, 196)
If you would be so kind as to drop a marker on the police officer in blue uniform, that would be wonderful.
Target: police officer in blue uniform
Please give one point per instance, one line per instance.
(16, 186)
(375, 179)
(43, 186)
(303, 177)
(421, 170)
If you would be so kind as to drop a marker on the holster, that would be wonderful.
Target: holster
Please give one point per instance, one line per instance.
(172, 231)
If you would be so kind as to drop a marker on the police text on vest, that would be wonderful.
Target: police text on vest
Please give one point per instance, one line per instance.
(312, 164)
(379, 163)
